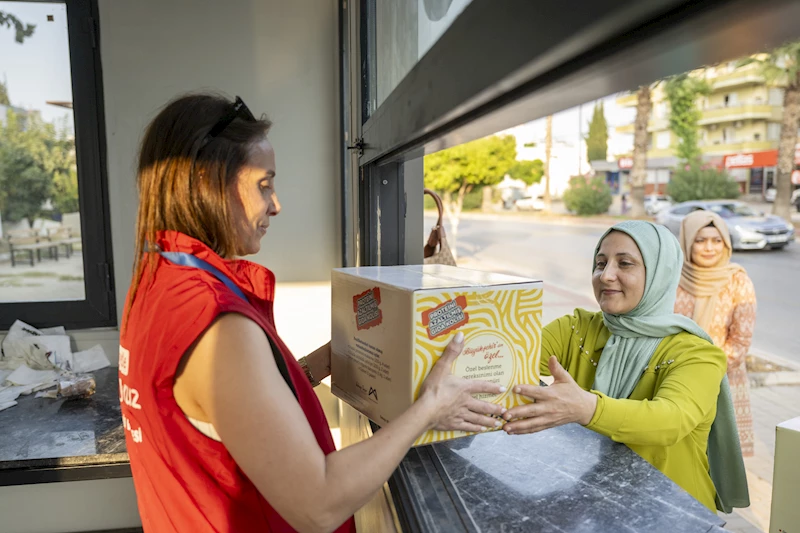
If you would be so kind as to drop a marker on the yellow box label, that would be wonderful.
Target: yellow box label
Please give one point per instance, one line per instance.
(502, 340)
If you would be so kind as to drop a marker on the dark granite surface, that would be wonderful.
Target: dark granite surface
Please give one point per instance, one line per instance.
(563, 479)
(40, 433)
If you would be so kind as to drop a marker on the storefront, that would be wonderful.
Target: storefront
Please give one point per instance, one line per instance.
(758, 170)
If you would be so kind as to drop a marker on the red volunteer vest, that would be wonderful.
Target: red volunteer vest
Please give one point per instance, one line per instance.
(185, 481)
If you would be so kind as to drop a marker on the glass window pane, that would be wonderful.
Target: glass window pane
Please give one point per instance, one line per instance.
(404, 32)
(41, 255)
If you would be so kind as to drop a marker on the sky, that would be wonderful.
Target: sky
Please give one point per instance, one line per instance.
(37, 70)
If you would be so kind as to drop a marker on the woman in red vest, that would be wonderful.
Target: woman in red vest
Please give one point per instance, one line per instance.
(223, 428)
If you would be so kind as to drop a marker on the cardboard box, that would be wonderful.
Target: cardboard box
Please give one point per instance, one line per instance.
(391, 324)
(785, 513)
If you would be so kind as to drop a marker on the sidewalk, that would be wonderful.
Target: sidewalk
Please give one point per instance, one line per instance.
(770, 406)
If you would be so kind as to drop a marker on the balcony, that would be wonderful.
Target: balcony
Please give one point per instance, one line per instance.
(737, 147)
(628, 100)
(660, 153)
(741, 112)
(737, 78)
(656, 124)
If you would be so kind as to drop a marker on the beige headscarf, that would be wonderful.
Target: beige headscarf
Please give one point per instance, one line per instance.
(705, 284)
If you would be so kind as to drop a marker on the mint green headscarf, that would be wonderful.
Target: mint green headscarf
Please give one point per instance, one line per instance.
(636, 335)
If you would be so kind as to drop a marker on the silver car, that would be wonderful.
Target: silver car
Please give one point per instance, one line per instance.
(750, 230)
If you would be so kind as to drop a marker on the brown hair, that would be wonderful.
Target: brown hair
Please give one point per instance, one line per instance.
(185, 181)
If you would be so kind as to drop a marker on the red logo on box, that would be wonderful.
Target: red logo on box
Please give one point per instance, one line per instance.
(446, 317)
(366, 306)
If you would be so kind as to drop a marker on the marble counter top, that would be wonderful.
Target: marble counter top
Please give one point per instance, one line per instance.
(566, 479)
(45, 440)
(563, 479)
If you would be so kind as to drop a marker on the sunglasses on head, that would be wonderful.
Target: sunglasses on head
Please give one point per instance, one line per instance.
(238, 110)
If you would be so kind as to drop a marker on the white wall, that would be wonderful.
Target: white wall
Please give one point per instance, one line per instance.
(281, 58)
(82, 506)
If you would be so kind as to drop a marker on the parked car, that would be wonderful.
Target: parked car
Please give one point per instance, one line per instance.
(769, 196)
(750, 230)
(529, 203)
(653, 204)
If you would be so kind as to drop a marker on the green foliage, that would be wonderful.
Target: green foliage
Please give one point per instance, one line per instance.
(21, 30)
(477, 163)
(65, 191)
(24, 185)
(4, 94)
(528, 171)
(37, 163)
(587, 196)
(473, 200)
(782, 65)
(597, 139)
(682, 93)
(701, 182)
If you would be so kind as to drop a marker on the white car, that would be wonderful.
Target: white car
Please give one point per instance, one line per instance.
(769, 196)
(529, 203)
(653, 204)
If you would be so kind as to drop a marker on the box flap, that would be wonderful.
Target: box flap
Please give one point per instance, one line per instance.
(417, 277)
(792, 424)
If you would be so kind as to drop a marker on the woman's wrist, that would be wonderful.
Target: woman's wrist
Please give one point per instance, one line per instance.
(317, 364)
(589, 408)
(425, 408)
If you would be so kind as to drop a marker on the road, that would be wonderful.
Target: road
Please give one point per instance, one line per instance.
(561, 255)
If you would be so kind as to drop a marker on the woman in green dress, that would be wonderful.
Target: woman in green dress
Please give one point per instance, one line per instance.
(640, 374)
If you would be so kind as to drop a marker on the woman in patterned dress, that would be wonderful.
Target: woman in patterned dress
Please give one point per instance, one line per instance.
(720, 297)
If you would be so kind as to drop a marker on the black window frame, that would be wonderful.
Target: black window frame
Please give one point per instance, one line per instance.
(98, 309)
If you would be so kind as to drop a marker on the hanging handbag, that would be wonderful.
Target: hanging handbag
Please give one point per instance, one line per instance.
(437, 251)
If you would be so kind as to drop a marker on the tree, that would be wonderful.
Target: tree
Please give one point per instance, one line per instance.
(528, 171)
(782, 65)
(548, 152)
(682, 93)
(21, 30)
(587, 196)
(4, 95)
(597, 139)
(639, 170)
(456, 171)
(695, 181)
(36, 161)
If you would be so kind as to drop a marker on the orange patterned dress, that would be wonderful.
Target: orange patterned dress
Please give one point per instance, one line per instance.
(732, 330)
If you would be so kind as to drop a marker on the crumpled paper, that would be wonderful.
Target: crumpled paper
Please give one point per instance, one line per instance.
(36, 359)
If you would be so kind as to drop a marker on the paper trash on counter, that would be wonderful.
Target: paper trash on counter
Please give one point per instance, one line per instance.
(25, 375)
(90, 360)
(48, 349)
(34, 360)
(40, 349)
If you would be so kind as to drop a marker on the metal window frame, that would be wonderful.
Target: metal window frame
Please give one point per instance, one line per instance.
(504, 63)
(98, 309)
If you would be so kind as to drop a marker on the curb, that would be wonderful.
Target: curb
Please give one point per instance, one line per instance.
(769, 379)
(791, 376)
